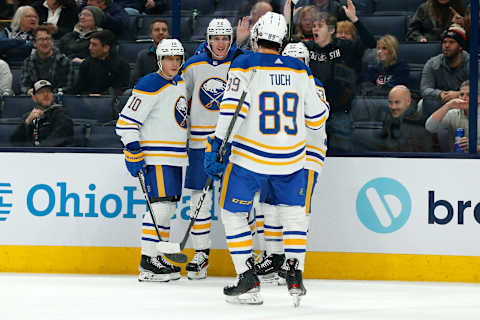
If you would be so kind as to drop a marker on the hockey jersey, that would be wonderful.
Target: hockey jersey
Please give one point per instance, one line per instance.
(205, 80)
(317, 139)
(269, 133)
(156, 116)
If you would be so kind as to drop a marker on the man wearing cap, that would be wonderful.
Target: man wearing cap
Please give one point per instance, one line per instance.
(46, 63)
(46, 125)
(443, 74)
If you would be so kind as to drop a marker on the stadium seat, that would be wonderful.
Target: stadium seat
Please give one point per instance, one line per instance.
(143, 25)
(369, 108)
(203, 6)
(104, 136)
(16, 73)
(229, 5)
(382, 25)
(385, 6)
(7, 128)
(414, 79)
(418, 53)
(129, 50)
(99, 109)
(366, 135)
(200, 25)
(362, 6)
(190, 47)
(17, 106)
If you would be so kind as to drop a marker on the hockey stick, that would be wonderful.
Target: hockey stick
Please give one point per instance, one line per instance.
(293, 3)
(221, 152)
(177, 257)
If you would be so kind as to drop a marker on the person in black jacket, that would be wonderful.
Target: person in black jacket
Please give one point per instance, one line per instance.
(103, 72)
(116, 18)
(62, 23)
(46, 125)
(337, 63)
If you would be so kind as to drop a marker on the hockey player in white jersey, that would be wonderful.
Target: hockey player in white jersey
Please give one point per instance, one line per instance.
(153, 128)
(205, 78)
(268, 149)
(316, 147)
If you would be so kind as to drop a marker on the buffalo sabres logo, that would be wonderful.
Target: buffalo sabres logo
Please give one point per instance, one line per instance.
(181, 111)
(211, 93)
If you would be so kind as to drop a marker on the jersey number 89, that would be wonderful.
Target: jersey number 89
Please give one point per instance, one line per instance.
(269, 105)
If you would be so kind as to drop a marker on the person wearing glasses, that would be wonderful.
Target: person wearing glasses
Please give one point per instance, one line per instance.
(46, 63)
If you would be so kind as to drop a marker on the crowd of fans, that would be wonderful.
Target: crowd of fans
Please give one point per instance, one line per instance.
(73, 46)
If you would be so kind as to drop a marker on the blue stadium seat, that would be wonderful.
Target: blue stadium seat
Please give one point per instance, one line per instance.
(369, 108)
(7, 128)
(17, 106)
(200, 25)
(418, 53)
(384, 6)
(414, 79)
(203, 6)
(366, 135)
(104, 136)
(362, 6)
(16, 73)
(129, 50)
(143, 25)
(98, 109)
(382, 25)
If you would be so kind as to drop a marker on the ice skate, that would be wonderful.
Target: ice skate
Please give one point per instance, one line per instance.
(157, 269)
(247, 288)
(197, 268)
(267, 269)
(295, 282)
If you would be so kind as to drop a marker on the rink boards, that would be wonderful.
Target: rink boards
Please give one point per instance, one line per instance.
(372, 218)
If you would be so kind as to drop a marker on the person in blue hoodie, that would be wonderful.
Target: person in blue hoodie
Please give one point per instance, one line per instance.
(388, 72)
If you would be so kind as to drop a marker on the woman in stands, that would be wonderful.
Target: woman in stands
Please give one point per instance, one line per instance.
(388, 72)
(304, 24)
(75, 44)
(346, 31)
(432, 18)
(60, 15)
(16, 41)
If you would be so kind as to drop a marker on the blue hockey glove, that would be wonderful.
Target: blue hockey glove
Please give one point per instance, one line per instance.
(134, 158)
(212, 167)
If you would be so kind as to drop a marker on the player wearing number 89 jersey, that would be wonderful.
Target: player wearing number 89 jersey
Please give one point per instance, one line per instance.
(153, 128)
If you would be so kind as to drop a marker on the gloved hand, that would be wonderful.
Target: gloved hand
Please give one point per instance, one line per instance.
(212, 167)
(134, 158)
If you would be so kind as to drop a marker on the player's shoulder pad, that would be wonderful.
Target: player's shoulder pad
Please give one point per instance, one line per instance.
(199, 58)
(150, 83)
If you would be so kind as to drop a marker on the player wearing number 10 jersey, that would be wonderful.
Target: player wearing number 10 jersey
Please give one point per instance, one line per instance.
(268, 149)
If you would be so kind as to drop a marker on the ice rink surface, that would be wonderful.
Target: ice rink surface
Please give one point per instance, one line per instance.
(85, 297)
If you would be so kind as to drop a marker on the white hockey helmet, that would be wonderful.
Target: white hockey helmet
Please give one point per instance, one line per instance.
(219, 27)
(253, 36)
(272, 27)
(297, 50)
(169, 47)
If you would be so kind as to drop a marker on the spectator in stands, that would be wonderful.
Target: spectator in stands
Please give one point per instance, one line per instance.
(135, 7)
(46, 125)
(5, 79)
(403, 129)
(465, 23)
(346, 30)
(443, 74)
(303, 27)
(388, 72)
(16, 41)
(147, 59)
(46, 63)
(7, 9)
(248, 8)
(332, 7)
(242, 31)
(60, 15)
(454, 115)
(432, 18)
(75, 44)
(103, 72)
(116, 18)
(155, 6)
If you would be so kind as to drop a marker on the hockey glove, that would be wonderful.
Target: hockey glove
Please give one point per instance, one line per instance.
(213, 167)
(134, 158)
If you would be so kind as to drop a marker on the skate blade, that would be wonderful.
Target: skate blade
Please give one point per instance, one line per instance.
(192, 275)
(152, 277)
(252, 298)
(281, 281)
(296, 300)
(269, 278)
(175, 276)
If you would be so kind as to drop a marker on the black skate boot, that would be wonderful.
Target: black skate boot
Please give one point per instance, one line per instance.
(247, 288)
(151, 269)
(294, 281)
(197, 268)
(267, 269)
(174, 270)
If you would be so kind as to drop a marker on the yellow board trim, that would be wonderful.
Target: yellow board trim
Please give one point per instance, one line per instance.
(160, 181)
(226, 176)
(319, 265)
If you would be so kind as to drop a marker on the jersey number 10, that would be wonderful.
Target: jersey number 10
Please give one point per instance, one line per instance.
(270, 121)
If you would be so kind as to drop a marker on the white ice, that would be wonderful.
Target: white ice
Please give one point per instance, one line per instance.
(85, 297)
